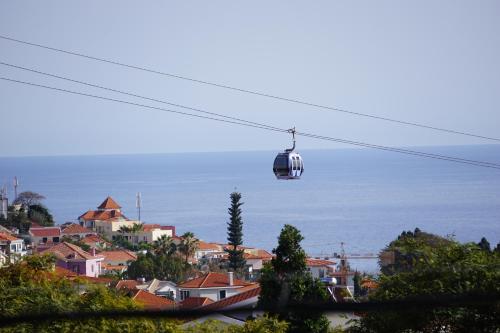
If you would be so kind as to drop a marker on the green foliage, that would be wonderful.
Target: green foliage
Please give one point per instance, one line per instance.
(484, 245)
(285, 282)
(16, 219)
(162, 267)
(188, 245)
(264, 324)
(235, 234)
(164, 246)
(437, 268)
(40, 214)
(409, 249)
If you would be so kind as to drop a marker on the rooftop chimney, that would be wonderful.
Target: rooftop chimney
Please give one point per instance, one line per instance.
(231, 280)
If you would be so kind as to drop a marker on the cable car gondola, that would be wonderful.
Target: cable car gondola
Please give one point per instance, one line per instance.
(288, 165)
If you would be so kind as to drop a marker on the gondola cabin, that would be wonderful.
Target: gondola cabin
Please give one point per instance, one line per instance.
(288, 165)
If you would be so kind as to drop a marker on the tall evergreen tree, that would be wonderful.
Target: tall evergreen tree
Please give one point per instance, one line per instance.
(235, 234)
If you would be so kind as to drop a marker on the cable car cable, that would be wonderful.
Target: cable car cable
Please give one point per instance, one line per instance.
(269, 128)
(232, 118)
(291, 100)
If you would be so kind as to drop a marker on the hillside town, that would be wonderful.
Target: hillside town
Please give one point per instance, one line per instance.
(103, 246)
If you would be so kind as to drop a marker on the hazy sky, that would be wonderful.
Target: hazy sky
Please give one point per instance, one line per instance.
(433, 62)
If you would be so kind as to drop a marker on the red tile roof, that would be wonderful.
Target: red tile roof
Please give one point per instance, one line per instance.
(7, 237)
(118, 255)
(76, 229)
(93, 239)
(204, 246)
(109, 203)
(127, 284)
(231, 301)
(212, 280)
(192, 303)
(45, 232)
(153, 302)
(318, 262)
(66, 250)
(101, 215)
(149, 227)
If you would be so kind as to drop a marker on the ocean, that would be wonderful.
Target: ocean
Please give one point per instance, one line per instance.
(363, 198)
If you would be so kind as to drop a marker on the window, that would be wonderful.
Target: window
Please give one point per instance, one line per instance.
(222, 294)
(44, 239)
(55, 239)
(184, 294)
(92, 268)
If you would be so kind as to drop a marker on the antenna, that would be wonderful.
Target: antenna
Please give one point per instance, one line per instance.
(138, 205)
(16, 184)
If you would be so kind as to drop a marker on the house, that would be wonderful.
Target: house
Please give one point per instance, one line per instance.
(152, 302)
(45, 235)
(215, 286)
(205, 250)
(320, 268)
(116, 261)
(256, 258)
(76, 231)
(242, 306)
(128, 285)
(75, 259)
(96, 242)
(148, 234)
(166, 289)
(11, 247)
(107, 219)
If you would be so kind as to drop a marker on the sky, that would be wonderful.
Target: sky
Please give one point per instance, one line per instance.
(430, 62)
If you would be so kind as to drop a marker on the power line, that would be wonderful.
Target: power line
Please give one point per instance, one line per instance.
(270, 128)
(135, 95)
(211, 113)
(252, 92)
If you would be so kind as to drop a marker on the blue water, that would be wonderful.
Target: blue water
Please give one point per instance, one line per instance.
(361, 197)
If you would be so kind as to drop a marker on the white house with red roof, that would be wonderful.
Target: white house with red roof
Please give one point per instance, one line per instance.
(320, 268)
(75, 259)
(11, 248)
(215, 286)
(45, 235)
(108, 220)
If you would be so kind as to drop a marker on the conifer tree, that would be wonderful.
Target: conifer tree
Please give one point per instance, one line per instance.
(235, 234)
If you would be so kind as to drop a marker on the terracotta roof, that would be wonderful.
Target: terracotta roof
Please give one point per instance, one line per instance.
(6, 237)
(92, 239)
(149, 227)
(109, 203)
(224, 303)
(212, 280)
(118, 268)
(204, 246)
(118, 255)
(192, 303)
(101, 215)
(76, 229)
(318, 262)
(127, 284)
(264, 254)
(153, 302)
(66, 250)
(45, 232)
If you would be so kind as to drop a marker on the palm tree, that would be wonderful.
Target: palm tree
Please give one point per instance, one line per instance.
(188, 245)
(164, 245)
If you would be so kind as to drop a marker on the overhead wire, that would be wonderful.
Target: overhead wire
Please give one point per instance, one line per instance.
(247, 91)
(269, 128)
(224, 116)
